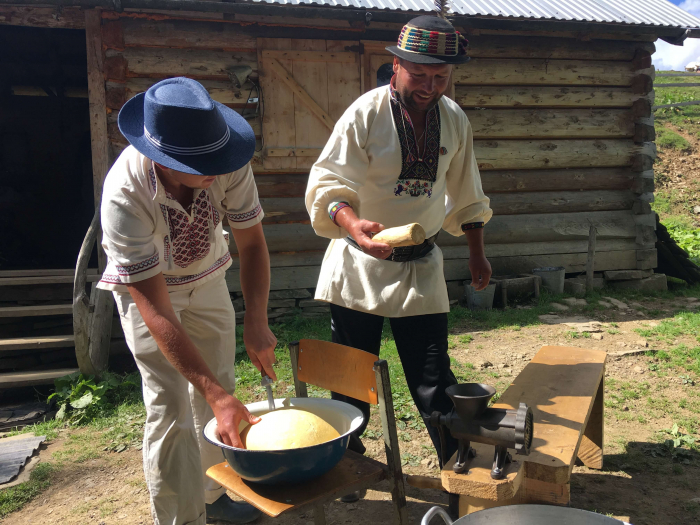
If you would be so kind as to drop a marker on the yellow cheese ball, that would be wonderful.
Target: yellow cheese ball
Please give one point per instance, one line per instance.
(287, 428)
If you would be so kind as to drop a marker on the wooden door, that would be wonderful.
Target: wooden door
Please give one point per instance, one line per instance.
(307, 85)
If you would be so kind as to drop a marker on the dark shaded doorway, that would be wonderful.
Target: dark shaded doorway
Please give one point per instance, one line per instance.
(46, 193)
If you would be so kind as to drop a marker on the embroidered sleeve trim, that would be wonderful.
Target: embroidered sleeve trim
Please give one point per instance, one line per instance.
(472, 226)
(143, 266)
(336, 207)
(173, 280)
(243, 217)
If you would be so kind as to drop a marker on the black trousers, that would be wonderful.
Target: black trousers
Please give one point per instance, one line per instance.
(421, 341)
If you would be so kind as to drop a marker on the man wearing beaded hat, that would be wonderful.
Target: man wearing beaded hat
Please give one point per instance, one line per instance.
(400, 154)
(163, 202)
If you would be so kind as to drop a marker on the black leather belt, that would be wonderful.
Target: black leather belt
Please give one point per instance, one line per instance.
(404, 253)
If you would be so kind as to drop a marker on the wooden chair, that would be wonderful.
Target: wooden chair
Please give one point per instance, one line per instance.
(353, 373)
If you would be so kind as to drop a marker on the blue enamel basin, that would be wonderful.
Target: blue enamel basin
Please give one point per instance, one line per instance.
(296, 465)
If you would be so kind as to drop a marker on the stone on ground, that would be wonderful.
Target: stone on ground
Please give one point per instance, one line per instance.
(618, 304)
(573, 301)
(655, 283)
(559, 307)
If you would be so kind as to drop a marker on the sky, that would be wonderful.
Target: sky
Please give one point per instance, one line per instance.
(676, 57)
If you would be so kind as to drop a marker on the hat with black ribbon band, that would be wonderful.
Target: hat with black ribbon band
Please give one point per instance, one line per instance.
(430, 40)
(178, 125)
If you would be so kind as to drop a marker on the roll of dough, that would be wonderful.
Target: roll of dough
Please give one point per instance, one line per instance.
(408, 235)
(287, 428)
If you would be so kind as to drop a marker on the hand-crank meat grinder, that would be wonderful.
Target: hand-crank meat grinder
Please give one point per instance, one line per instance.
(472, 420)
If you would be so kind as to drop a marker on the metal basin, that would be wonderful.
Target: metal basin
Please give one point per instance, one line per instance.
(295, 465)
(522, 515)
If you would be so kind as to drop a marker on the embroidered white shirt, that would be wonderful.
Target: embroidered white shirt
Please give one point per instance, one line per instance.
(368, 162)
(146, 231)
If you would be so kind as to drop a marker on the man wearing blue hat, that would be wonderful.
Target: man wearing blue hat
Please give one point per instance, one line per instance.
(163, 201)
(400, 154)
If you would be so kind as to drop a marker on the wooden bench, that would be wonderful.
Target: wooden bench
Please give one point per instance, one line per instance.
(564, 387)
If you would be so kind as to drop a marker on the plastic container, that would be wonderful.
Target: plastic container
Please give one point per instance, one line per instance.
(552, 278)
(481, 300)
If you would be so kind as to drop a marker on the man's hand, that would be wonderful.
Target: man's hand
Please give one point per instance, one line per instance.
(362, 230)
(260, 345)
(229, 413)
(480, 269)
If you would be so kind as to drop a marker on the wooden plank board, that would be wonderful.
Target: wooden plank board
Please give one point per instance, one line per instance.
(501, 229)
(461, 251)
(511, 46)
(343, 80)
(194, 63)
(36, 343)
(278, 111)
(338, 368)
(544, 96)
(99, 142)
(41, 377)
(458, 269)
(34, 311)
(45, 279)
(293, 209)
(555, 123)
(489, 71)
(478, 482)
(557, 180)
(300, 53)
(220, 90)
(493, 181)
(282, 185)
(352, 473)
(290, 277)
(556, 153)
(54, 17)
(559, 384)
(185, 34)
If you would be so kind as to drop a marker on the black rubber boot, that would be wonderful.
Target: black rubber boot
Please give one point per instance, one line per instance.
(225, 510)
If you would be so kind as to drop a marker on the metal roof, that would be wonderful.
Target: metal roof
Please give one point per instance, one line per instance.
(636, 12)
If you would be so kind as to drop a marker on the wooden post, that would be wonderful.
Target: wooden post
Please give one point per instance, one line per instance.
(591, 258)
(590, 451)
(391, 440)
(319, 514)
(299, 386)
(98, 112)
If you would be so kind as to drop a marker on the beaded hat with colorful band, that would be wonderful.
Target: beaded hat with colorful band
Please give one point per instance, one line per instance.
(431, 40)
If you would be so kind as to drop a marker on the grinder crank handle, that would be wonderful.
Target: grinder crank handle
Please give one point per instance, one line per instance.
(436, 511)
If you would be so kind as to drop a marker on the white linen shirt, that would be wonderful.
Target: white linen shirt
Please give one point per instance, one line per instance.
(363, 164)
(146, 231)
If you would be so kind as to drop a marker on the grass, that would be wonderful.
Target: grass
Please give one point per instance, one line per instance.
(665, 138)
(14, 498)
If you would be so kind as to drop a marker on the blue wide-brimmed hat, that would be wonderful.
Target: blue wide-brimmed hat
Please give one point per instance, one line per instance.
(177, 124)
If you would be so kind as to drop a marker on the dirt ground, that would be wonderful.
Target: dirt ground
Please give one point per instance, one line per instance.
(639, 481)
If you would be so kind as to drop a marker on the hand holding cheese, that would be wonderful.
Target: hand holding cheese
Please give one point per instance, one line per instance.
(287, 428)
(408, 235)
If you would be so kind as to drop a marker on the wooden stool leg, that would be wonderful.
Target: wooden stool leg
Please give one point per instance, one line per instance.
(319, 514)
(590, 452)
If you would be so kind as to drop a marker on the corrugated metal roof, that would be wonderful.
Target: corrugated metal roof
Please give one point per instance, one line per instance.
(636, 12)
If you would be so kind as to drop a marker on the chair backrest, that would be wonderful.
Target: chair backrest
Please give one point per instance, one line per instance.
(338, 368)
(357, 374)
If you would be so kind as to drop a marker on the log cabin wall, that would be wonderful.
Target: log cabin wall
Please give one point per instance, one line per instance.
(562, 124)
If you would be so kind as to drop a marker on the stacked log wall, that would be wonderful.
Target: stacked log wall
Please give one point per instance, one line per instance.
(563, 134)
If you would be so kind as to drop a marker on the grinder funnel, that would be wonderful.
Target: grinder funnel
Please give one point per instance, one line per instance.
(470, 399)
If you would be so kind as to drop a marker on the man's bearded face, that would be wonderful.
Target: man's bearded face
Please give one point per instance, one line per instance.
(420, 86)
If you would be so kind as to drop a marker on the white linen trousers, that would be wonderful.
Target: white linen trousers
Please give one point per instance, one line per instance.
(175, 454)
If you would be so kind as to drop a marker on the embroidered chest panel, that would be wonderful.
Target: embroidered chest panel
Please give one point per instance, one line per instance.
(417, 173)
(189, 239)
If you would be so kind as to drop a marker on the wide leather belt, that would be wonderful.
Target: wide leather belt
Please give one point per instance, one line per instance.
(404, 253)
